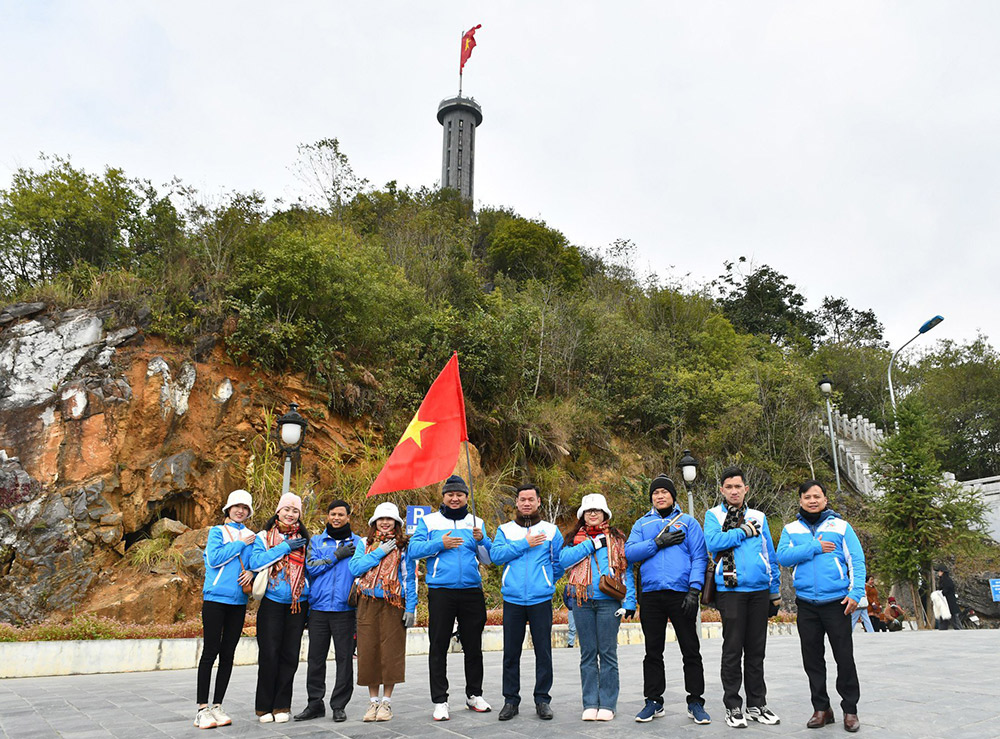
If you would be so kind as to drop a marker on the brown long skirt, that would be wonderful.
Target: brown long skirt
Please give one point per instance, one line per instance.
(381, 643)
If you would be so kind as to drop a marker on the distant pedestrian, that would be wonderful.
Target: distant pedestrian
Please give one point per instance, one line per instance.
(947, 587)
(527, 551)
(387, 587)
(893, 615)
(594, 552)
(331, 616)
(669, 547)
(748, 592)
(829, 578)
(454, 543)
(280, 549)
(569, 596)
(874, 605)
(224, 604)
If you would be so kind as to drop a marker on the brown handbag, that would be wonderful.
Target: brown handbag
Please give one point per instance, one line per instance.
(355, 595)
(612, 588)
(708, 589)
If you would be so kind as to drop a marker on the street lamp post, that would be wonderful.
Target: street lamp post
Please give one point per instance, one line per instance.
(291, 432)
(928, 325)
(689, 468)
(826, 387)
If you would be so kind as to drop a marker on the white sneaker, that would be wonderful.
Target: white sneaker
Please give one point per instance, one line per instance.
(441, 712)
(281, 717)
(590, 714)
(605, 714)
(762, 714)
(477, 704)
(267, 718)
(735, 718)
(220, 716)
(204, 719)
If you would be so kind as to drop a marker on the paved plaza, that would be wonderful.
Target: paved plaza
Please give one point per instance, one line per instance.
(913, 684)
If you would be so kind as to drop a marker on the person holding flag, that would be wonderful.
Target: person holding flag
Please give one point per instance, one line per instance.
(454, 543)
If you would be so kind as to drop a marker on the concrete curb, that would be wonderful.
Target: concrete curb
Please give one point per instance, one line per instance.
(39, 659)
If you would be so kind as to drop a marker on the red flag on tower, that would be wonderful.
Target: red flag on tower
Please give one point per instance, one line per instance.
(428, 450)
(468, 44)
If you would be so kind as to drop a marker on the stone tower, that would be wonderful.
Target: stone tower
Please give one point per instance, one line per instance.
(459, 116)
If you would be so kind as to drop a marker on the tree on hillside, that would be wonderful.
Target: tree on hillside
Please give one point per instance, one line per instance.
(327, 172)
(842, 324)
(922, 516)
(765, 303)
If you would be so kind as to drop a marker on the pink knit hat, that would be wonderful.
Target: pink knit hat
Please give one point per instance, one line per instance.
(290, 500)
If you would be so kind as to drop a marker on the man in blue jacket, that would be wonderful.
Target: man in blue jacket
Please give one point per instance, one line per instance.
(453, 543)
(669, 547)
(527, 548)
(829, 581)
(330, 617)
(748, 592)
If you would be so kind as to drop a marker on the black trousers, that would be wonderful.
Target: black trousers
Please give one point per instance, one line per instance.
(324, 626)
(279, 638)
(515, 619)
(444, 606)
(816, 620)
(656, 608)
(222, 626)
(744, 637)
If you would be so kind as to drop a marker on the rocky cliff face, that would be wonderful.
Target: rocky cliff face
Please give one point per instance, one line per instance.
(103, 432)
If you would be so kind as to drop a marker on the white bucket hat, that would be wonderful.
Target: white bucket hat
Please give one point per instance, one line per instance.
(385, 510)
(593, 502)
(238, 497)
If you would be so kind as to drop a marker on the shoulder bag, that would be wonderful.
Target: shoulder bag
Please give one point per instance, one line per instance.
(708, 589)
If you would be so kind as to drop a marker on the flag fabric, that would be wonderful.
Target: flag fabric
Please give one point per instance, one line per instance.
(428, 450)
(468, 44)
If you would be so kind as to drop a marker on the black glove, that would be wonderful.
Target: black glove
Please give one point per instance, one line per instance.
(669, 537)
(629, 612)
(296, 543)
(772, 609)
(343, 552)
(751, 528)
(690, 604)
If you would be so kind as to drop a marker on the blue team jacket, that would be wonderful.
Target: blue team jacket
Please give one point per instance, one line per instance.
(224, 554)
(823, 577)
(756, 565)
(360, 563)
(598, 566)
(680, 567)
(529, 573)
(450, 568)
(261, 557)
(329, 584)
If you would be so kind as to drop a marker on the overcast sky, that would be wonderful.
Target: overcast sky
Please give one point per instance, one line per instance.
(853, 146)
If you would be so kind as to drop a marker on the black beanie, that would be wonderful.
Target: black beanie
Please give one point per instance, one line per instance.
(662, 481)
(455, 483)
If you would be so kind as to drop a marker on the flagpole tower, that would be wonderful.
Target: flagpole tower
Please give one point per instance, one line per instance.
(459, 116)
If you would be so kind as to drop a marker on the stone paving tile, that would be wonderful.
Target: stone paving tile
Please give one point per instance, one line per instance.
(914, 684)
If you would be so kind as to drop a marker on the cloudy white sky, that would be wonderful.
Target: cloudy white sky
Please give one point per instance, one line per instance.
(853, 146)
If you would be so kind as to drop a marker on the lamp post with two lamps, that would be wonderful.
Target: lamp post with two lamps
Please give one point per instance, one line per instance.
(291, 434)
(826, 387)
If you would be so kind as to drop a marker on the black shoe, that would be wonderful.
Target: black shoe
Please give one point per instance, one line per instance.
(339, 715)
(311, 712)
(508, 712)
(543, 711)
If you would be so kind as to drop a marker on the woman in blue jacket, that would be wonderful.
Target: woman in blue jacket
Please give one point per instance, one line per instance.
(224, 604)
(280, 549)
(829, 578)
(387, 606)
(593, 549)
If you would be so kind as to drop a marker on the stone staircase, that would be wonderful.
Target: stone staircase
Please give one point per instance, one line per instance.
(856, 440)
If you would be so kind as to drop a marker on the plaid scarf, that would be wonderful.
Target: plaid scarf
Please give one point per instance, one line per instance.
(580, 574)
(385, 574)
(734, 519)
(292, 564)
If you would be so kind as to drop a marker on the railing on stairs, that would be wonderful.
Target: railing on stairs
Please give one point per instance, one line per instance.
(856, 440)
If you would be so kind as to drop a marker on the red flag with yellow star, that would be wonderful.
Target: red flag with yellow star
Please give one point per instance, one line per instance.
(468, 44)
(428, 449)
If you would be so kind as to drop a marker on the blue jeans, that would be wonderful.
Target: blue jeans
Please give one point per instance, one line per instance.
(570, 628)
(597, 632)
(861, 614)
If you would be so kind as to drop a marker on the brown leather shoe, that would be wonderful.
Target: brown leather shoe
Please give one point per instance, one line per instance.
(822, 718)
(851, 722)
